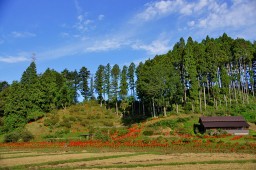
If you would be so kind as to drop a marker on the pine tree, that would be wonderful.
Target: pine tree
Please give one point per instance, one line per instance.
(115, 74)
(83, 86)
(99, 83)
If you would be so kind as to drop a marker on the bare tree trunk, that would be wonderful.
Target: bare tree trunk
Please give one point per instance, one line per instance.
(185, 95)
(116, 108)
(154, 111)
(177, 108)
(230, 94)
(208, 88)
(165, 112)
(225, 98)
(235, 94)
(204, 100)
(200, 100)
(143, 108)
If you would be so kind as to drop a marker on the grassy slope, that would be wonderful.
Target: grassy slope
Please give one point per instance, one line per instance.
(82, 118)
(73, 121)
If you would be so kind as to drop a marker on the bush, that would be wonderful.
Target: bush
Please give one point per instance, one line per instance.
(33, 116)
(108, 123)
(84, 122)
(26, 136)
(148, 133)
(65, 123)
(102, 136)
(51, 121)
(19, 134)
(13, 121)
(11, 137)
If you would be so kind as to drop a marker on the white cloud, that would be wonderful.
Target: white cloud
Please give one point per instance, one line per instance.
(101, 17)
(105, 45)
(191, 23)
(158, 46)
(219, 15)
(12, 59)
(164, 8)
(16, 34)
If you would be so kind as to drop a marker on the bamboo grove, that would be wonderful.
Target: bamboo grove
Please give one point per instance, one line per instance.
(192, 77)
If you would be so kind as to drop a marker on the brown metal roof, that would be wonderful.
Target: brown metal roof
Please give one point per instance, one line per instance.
(228, 124)
(222, 119)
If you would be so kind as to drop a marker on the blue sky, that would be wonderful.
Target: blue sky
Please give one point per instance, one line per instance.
(75, 33)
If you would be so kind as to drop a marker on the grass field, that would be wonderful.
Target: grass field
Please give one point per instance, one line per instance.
(83, 159)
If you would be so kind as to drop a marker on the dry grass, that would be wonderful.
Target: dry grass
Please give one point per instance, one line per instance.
(160, 159)
(51, 158)
(169, 161)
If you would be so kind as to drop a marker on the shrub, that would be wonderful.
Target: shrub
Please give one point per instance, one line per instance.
(148, 133)
(122, 131)
(11, 137)
(51, 121)
(13, 121)
(108, 123)
(182, 120)
(84, 123)
(61, 132)
(65, 123)
(19, 134)
(102, 136)
(161, 139)
(33, 116)
(26, 136)
(73, 119)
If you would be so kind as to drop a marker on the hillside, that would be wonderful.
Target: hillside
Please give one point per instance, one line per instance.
(73, 121)
(85, 118)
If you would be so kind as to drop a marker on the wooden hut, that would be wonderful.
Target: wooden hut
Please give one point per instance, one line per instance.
(235, 125)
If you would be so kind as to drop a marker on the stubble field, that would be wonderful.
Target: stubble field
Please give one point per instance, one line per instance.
(24, 159)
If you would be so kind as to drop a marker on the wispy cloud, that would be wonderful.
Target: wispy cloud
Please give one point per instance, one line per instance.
(17, 34)
(101, 17)
(13, 59)
(159, 46)
(105, 45)
(163, 8)
(220, 15)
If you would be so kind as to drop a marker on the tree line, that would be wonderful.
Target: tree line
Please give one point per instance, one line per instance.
(193, 76)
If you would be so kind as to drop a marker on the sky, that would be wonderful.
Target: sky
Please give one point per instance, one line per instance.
(71, 34)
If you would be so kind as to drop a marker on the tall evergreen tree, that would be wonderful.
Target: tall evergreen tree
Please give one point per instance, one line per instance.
(84, 75)
(107, 80)
(99, 82)
(123, 83)
(115, 73)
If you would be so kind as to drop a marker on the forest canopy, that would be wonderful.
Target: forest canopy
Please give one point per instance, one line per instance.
(192, 77)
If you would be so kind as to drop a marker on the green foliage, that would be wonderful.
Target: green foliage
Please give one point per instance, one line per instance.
(18, 135)
(35, 115)
(102, 135)
(11, 137)
(165, 123)
(13, 121)
(148, 132)
(65, 123)
(51, 121)
(107, 123)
